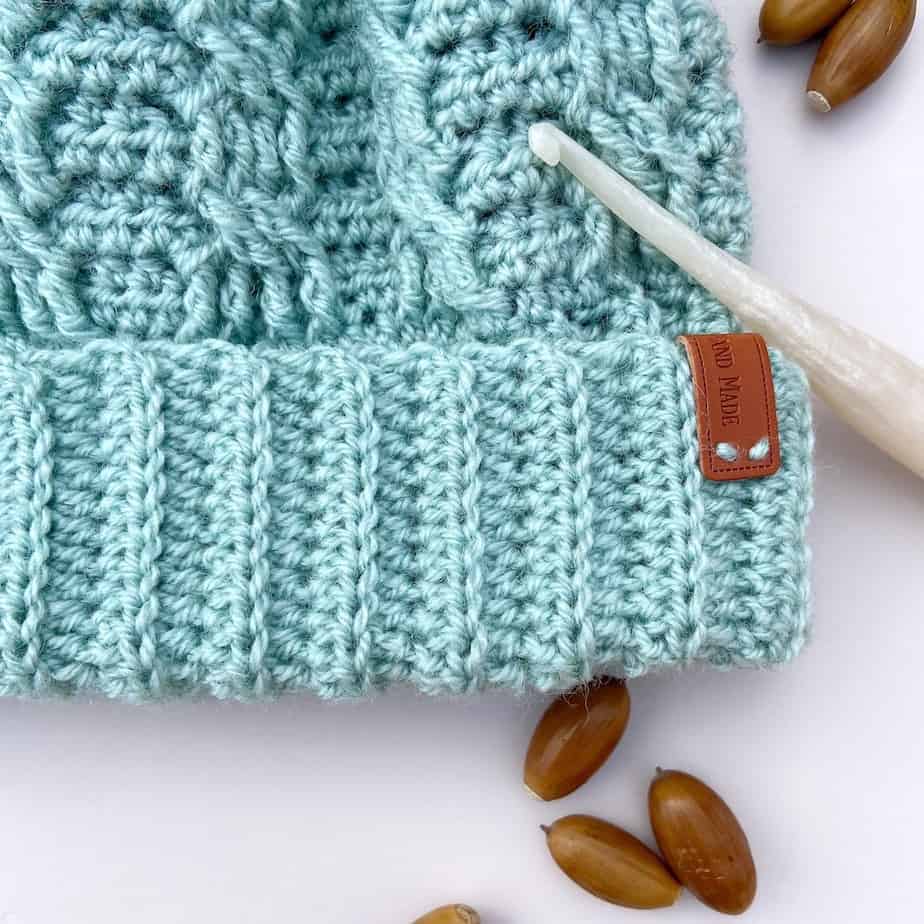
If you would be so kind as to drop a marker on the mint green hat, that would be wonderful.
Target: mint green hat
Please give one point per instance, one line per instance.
(312, 377)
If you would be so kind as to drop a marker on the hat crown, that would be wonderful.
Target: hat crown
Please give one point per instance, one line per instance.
(328, 172)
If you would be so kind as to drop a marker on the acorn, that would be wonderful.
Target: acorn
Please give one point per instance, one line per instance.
(791, 22)
(610, 863)
(702, 842)
(450, 914)
(574, 737)
(859, 50)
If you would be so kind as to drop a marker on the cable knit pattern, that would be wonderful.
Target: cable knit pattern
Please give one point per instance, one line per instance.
(311, 377)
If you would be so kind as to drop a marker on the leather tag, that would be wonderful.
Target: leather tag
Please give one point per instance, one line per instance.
(735, 405)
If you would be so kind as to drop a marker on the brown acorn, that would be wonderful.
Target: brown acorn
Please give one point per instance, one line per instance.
(702, 842)
(610, 863)
(450, 914)
(859, 50)
(574, 737)
(791, 22)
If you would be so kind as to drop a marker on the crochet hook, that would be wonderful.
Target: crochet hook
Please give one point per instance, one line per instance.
(875, 389)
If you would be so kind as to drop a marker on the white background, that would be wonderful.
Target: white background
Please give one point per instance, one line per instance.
(222, 813)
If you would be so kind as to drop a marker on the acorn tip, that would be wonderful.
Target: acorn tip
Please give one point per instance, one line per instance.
(818, 101)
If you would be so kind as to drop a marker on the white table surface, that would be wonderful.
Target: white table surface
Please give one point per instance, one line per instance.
(223, 813)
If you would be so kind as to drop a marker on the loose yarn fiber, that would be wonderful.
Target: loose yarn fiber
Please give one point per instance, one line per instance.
(311, 377)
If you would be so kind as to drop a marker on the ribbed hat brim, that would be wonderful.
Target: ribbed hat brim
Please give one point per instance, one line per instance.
(213, 518)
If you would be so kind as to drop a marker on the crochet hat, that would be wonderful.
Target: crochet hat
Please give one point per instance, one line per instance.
(312, 377)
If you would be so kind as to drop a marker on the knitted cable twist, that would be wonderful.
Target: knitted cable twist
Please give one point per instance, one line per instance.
(312, 378)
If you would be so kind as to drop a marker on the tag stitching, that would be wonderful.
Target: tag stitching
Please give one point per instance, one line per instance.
(764, 464)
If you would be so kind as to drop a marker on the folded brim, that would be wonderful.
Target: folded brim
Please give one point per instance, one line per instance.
(211, 518)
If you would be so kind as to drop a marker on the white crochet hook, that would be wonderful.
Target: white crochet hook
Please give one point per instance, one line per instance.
(878, 391)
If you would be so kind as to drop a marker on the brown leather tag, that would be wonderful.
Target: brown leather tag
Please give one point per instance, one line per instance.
(735, 405)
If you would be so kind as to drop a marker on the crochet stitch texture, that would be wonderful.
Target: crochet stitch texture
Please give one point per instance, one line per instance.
(311, 377)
